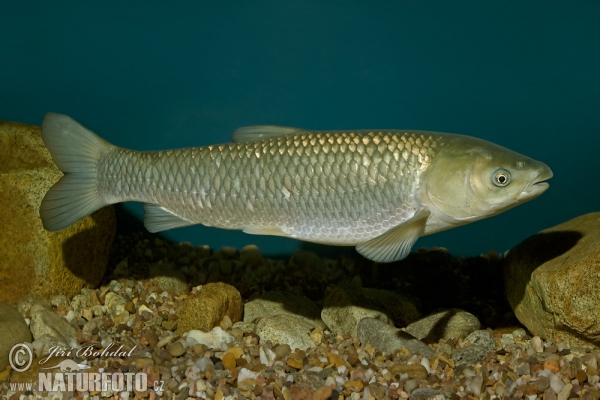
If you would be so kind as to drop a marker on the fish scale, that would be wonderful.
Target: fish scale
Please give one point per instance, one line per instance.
(377, 190)
(303, 188)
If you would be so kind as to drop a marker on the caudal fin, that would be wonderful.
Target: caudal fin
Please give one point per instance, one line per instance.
(75, 150)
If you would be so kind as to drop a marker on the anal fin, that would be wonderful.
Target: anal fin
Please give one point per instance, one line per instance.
(265, 230)
(158, 218)
(395, 244)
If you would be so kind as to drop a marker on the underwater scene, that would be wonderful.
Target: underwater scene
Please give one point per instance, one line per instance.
(300, 200)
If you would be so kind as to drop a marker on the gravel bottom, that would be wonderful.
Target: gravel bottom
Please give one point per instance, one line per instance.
(231, 362)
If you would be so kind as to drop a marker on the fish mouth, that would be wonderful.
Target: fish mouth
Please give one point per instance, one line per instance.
(537, 186)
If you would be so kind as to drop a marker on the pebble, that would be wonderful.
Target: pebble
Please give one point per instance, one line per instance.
(143, 362)
(470, 355)
(551, 365)
(286, 329)
(46, 322)
(445, 324)
(542, 383)
(237, 359)
(388, 338)
(164, 341)
(295, 363)
(177, 349)
(322, 393)
(482, 338)
(276, 303)
(345, 306)
(282, 350)
(212, 339)
(228, 361)
(536, 344)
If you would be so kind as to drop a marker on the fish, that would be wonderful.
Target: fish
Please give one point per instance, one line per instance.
(377, 190)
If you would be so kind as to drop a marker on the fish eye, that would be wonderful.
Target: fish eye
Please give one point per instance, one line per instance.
(501, 178)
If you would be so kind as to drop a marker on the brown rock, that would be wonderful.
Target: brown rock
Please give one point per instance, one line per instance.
(295, 363)
(322, 393)
(300, 391)
(356, 385)
(228, 361)
(207, 308)
(552, 281)
(33, 259)
(551, 365)
(413, 370)
(335, 359)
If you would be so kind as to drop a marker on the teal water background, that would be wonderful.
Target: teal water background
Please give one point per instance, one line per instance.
(156, 75)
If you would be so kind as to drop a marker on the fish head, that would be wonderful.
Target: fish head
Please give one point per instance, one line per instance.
(472, 179)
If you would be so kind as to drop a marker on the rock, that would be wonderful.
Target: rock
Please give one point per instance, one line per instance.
(32, 373)
(470, 355)
(169, 278)
(278, 303)
(115, 304)
(81, 301)
(228, 361)
(92, 325)
(59, 300)
(444, 324)
(13, 330)
(46, 344)
(286, 329)
(46, 322)
(424, 393)
(31, 302)
(250, 255)
(207, 308)
(33, 259)
(412, 370)
(322, 393)
(212, 339)
(398, 308)
(482, 338)
(387, 338)
(552, 281)
(177, 349)
(346, 305)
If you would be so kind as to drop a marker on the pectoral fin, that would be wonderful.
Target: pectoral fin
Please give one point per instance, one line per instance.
(396, 243)
(157, 218)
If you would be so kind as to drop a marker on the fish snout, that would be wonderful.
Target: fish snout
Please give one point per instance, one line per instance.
(538, 184)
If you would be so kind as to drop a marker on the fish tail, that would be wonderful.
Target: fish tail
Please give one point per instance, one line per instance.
(76, 151)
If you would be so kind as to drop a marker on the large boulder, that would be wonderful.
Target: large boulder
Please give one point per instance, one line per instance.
(34, 260)
(13, 330)
(552, 281)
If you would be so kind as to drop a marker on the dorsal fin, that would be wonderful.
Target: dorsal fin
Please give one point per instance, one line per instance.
(261, 132)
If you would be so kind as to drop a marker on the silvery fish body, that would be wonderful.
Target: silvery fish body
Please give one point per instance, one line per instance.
(378, 190)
